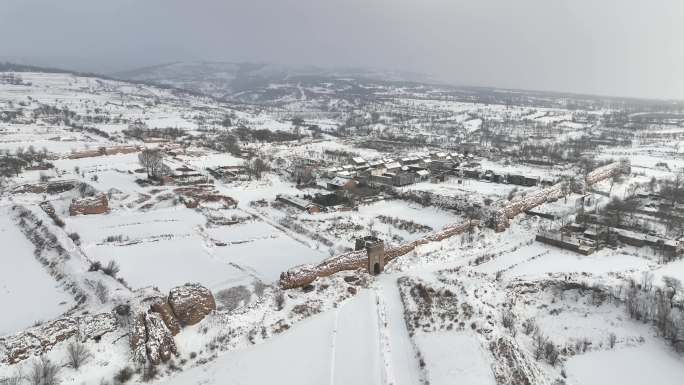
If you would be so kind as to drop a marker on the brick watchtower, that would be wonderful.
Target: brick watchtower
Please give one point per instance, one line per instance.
(375, 248)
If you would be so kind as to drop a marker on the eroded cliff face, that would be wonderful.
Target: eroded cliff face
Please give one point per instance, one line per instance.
(42, 338)
(152, 320)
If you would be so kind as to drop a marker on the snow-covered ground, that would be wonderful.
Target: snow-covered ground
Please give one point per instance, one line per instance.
(341, 346)
(561, 261)
(27, 291)
(453, 357)
(650, 363)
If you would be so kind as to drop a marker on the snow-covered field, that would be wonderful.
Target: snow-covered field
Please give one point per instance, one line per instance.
(453, 357)
(261, 249)
(650, 363)
(562, 261)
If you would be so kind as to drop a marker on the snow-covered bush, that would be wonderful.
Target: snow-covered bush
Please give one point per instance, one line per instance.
(77, 354)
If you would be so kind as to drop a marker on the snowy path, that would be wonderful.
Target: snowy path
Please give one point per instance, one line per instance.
(404, 367)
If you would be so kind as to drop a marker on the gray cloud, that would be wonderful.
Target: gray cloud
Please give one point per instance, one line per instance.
(613, 47)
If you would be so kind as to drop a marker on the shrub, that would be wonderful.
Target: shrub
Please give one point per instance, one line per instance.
(112, 269)
(75, 237)
(77, 354)
(95, 266)
(15, 379)
(259, 288)
(529, 326)
(539, 341)
(149, 372)
(123, 375)
(280, 300)
(102, 292)
(551, 353)
(43, 372)
(612, 338)
(508, 320)
(58, 221)
(233, 297)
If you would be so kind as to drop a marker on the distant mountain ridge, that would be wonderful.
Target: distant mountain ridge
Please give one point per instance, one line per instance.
(225, 79)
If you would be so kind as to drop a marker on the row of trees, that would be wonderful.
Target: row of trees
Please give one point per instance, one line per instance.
(13, 164)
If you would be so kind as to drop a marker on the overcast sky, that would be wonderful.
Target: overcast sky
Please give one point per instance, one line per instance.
(610, 47)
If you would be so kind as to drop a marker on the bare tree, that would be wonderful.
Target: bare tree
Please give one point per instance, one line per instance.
(615, 178)
(102, 292)
(43, 372)
(152, 161)
(260, 166)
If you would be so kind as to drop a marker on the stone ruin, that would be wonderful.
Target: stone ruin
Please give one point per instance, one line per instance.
(97, 204)
(157, 319)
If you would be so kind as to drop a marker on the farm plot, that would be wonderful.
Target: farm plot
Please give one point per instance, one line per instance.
(27, 292)
(261, 249)
(160, 248)
(54, 139)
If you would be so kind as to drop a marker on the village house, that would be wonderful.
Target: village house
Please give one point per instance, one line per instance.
(339, 183)
(522, 180)
(299, 203)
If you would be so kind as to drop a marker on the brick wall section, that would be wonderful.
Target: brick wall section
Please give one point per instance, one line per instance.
(303, 275)
(500, 217)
